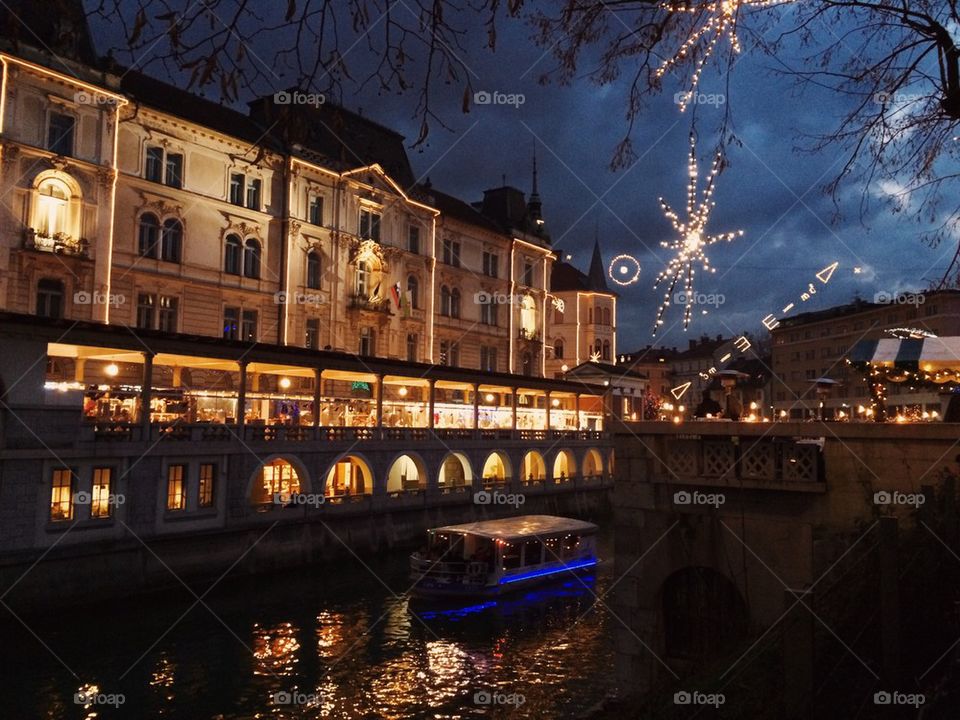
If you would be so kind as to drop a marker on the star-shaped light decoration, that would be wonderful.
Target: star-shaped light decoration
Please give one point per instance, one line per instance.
(715, 20)
(692, 240)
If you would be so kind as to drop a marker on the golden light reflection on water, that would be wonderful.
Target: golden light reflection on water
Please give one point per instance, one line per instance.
(275, 649)
(162, 677)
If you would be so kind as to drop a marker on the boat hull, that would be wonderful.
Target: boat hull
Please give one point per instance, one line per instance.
(428, 588)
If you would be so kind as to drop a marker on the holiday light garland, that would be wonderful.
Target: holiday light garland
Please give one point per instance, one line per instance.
(720, 20)
(692, 239)
(625, 265)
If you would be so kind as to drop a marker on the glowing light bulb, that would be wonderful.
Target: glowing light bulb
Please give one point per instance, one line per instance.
(403, 392)
(285, 383)
(112, 370)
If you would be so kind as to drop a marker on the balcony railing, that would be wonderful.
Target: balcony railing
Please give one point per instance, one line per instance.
(59, 243)
(361, 302)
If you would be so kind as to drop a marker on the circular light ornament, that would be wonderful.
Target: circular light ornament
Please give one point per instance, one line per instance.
(624, 270)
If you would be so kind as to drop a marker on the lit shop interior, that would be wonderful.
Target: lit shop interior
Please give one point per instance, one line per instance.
(110, 384)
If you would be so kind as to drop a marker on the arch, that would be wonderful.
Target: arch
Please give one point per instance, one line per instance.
(232, 255)
(605, 315)
(533, 468)
(407, 472)
(528, 315)
(455, 303)
(496, 468)
(558, 349)
(605, 353)
(413, 291)
(592, 463)
(277, 475)
(171, 240)
(610, 464)
(314, 266)
(455, 471)
(445, 301)
(251, 259)
(564, 465)
(350, 475)
(56, 205)
(148, 235)
(703, 613)
(598, 347)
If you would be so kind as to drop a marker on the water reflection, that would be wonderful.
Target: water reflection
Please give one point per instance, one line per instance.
(275, 649)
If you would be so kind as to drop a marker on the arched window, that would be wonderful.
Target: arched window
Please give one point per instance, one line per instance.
(149, 235)
(606, 316)
(605, 353)
(413, 292)
(251, 259)
(50, 298)
(232, 256)
(313, 270)
(53, 196)
(590, 316)
(455, 303)
(276, 478)
(558, 349)
(363, 279)
(598, 347)
(445, 301)
(171, 241)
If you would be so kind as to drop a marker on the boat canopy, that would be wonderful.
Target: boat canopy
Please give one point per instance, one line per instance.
(517, 528)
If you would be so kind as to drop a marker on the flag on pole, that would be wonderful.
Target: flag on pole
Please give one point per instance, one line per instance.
(395, 292)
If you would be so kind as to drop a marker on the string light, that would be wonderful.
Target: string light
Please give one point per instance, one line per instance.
(717, 19)
(692, 239)
(627, 270)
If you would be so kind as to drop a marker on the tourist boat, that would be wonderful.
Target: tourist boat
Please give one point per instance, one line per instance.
(497, 556)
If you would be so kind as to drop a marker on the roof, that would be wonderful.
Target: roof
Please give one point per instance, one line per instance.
(516, 528)
(453, 207)
(939, 353)
(852, 308)
(649, 354)
(596, 277)
(58, 27)
(565, 277)
(705, 347)
(599, 368)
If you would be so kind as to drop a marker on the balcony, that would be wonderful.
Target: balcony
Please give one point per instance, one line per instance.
(529, 335)
(58, 243)
(361, 302)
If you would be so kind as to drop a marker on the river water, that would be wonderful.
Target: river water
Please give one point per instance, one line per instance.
(332, 641)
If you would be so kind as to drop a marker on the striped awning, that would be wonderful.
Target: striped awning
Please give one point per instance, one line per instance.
(926, 354)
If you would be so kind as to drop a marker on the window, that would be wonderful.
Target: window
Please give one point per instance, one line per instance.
(61, 495)
(168, 316)
(413, 239)
(254, 187)
(251, 259)
(208, 473)
(100, 505)
(146, 312)
(413, 292)
(557, 316)
(171, 241)
(313, 334)
(315, 213)
(449, 353)
(455, 303)
(605, 353)
(232, 255)
(445, 301)
(153, 171)
(413, 347)
(50, 298)
(558, 349)
(367, 345)
(174, 168)
(313, 270)
(248, 327)
(231, 323)
(370, 225)
(176, 493)
(527, 274)
(491, 262)
(598, 348)
(606, 316)
(52, 199)
(237, 182)
(590, 316)
(148, 235)
(488, 358)
(60, 133)
(811, 374)
(363, 279)
(488, 312)
(451, 253)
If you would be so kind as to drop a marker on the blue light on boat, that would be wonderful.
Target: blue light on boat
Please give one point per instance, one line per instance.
(553, 571)
(457, 612)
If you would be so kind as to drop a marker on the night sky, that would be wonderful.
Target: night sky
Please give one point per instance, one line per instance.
(771, 189)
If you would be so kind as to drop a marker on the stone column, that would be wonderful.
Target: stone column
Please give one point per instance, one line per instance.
(146, 394)
(476, 406)
(317, 395)
(546, 402)
(379, 400)
(433, 403)
(242, 394)
(513, 409)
